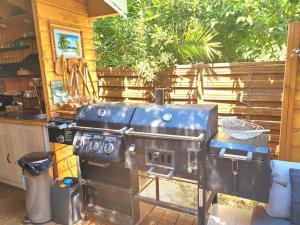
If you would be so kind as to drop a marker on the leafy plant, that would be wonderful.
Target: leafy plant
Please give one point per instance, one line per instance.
(153, 37)
(161, 33)
(197, 44)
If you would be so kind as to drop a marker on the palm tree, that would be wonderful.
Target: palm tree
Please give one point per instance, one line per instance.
(63, 42)
(197, 45)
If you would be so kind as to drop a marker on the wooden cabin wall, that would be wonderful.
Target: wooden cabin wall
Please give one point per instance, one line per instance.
(72, 14)
(290, 126)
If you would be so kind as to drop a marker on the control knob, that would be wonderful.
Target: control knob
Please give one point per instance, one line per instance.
(60, 139)
(108, 147)
(94, 146)
(78, 143)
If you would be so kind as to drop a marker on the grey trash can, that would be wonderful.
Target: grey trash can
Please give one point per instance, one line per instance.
(38, 181)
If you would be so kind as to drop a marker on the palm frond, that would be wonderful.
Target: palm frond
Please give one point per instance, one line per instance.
(196, 44)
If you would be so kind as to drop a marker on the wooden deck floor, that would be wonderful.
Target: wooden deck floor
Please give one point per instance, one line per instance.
(12, 211)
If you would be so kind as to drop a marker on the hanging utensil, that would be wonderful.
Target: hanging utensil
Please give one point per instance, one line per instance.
(83, 80)
(76, 85)
(71, 81)
(90, 77)
(65, 82)
(80, 68)
(58, 66)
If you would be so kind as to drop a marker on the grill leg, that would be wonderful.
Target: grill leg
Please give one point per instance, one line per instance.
(215, 200)
(201, 174)
(134, 176)
(157, 188)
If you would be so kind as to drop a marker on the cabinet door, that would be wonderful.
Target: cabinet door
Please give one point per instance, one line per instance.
(24, 139)
(8, 160)
(4, 158)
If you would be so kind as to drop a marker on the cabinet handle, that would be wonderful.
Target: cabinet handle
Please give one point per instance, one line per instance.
(7, 158)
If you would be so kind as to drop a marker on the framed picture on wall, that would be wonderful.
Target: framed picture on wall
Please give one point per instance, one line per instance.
(66, 41)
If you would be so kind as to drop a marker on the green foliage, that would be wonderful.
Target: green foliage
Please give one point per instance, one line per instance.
(250, 30)
(160, 33)
(197, 43)
(154, 37)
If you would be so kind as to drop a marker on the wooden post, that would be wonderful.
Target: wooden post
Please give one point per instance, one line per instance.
(290, 128)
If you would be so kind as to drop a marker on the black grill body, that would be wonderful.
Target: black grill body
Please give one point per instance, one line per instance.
(164, 138)
(105, 115)
(100, 144)
(100, 131)
(239, 167)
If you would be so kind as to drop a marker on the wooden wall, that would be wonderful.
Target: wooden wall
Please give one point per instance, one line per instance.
(249, 90)
(72, 14)
(290, 127)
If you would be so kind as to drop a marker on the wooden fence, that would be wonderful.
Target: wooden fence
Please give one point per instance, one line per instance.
(248, 90)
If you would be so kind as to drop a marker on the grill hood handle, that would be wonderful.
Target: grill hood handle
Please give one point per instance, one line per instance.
(225, 155)
(121, 131)
(131, 132)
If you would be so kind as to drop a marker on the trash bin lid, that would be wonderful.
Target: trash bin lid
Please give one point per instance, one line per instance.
(36, 162)
(37, 156)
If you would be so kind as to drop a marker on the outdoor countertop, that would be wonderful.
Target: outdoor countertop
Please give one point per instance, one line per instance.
(18, 119)
(36, 122)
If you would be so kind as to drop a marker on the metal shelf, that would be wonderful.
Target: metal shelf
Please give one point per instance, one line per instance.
(172, 194)
(21, 76)
(26, 38)
(14, 48)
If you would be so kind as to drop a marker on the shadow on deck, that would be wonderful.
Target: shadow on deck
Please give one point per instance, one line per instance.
(12, 211)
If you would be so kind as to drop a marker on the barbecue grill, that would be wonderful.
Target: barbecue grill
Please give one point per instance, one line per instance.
(171, 141)
(174, 145)
(107, 186)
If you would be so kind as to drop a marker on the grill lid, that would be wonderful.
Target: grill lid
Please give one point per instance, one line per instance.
(105, 115)
(187, 120)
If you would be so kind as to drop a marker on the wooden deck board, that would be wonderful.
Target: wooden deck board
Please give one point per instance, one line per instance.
(12, 210)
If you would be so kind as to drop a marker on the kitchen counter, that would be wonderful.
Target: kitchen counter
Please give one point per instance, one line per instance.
(40, 122)
(23, 118)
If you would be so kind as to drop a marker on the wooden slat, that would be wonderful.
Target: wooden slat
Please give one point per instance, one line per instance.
(240, 97)
(248, 90)
(244, 110)
(144, 94)
(243, 84)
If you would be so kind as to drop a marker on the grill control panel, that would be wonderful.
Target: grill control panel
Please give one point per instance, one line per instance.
(59, 132)
(97, 147)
